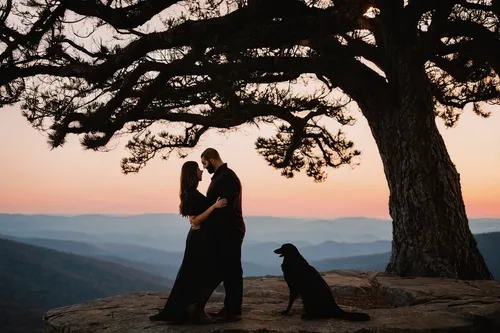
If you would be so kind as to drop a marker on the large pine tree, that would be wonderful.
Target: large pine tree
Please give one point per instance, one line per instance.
(104, 68)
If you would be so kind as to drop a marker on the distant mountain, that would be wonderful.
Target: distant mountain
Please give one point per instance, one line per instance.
(331, 249)
(252, 269)
(140, 257)
(168, 231)
(257, 258)
(41, 276)
(70, 246)
(144, 253)
(150, 260)
(36, 279)
(488, 243)
(167, 271)
(162, 231)
(374, 262)
(262, 253)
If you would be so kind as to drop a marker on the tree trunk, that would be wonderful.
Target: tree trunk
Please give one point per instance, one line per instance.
(431, 235)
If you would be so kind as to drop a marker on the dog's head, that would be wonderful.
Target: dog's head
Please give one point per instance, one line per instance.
(287, 250)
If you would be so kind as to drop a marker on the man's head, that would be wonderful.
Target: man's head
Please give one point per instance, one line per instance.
(211, 160)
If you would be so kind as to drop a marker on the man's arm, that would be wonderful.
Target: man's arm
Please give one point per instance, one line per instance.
(229, 189)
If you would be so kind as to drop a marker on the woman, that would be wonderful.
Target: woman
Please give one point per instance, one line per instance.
(195, 280)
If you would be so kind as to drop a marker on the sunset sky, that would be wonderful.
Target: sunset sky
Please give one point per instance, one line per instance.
(70, 180)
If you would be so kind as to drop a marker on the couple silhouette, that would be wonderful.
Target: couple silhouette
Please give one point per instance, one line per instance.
(213, 245)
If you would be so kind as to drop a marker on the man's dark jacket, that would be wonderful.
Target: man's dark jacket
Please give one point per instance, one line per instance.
(227, 221)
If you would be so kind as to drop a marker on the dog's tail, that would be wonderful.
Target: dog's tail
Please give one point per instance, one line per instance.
(353, 316)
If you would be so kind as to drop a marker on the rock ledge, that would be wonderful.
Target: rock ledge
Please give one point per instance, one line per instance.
(395, 305)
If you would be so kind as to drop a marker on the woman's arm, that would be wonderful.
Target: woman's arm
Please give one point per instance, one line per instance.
(196, 220)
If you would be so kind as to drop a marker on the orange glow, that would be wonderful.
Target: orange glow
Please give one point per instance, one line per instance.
(34, 179)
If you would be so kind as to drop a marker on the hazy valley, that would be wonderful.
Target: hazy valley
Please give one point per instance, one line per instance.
(49, 261)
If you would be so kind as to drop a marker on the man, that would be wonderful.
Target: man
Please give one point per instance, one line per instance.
(228, 227)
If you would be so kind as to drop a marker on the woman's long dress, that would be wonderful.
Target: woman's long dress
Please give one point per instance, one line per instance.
(196, 276)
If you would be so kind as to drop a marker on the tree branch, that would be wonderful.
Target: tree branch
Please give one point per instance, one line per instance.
(120, 18)
(481, 37)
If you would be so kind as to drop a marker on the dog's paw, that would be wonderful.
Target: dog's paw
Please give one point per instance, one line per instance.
(285, 313)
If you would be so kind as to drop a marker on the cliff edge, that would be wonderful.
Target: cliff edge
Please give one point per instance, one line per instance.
(395, 305)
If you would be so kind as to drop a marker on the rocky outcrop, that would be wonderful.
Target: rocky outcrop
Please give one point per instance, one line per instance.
(395, 305)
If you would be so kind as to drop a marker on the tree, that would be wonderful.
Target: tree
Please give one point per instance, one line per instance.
(224, 63)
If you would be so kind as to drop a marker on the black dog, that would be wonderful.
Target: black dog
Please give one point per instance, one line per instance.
(304, 280)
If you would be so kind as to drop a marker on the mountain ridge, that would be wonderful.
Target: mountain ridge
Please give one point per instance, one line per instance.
(35, 279)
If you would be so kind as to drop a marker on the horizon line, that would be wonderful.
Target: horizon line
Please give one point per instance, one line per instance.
(298, 217)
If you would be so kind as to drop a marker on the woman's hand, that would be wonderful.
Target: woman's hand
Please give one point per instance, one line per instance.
(220, 203)
(196, 220)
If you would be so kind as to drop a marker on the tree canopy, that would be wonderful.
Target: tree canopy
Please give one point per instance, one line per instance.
(103, 69)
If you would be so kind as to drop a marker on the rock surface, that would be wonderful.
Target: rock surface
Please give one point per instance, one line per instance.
(395, 305)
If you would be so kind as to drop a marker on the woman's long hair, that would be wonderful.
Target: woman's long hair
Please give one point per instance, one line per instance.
(189, 181)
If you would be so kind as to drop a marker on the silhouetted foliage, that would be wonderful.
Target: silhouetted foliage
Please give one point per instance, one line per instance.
(225, 63)
(106, 69)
